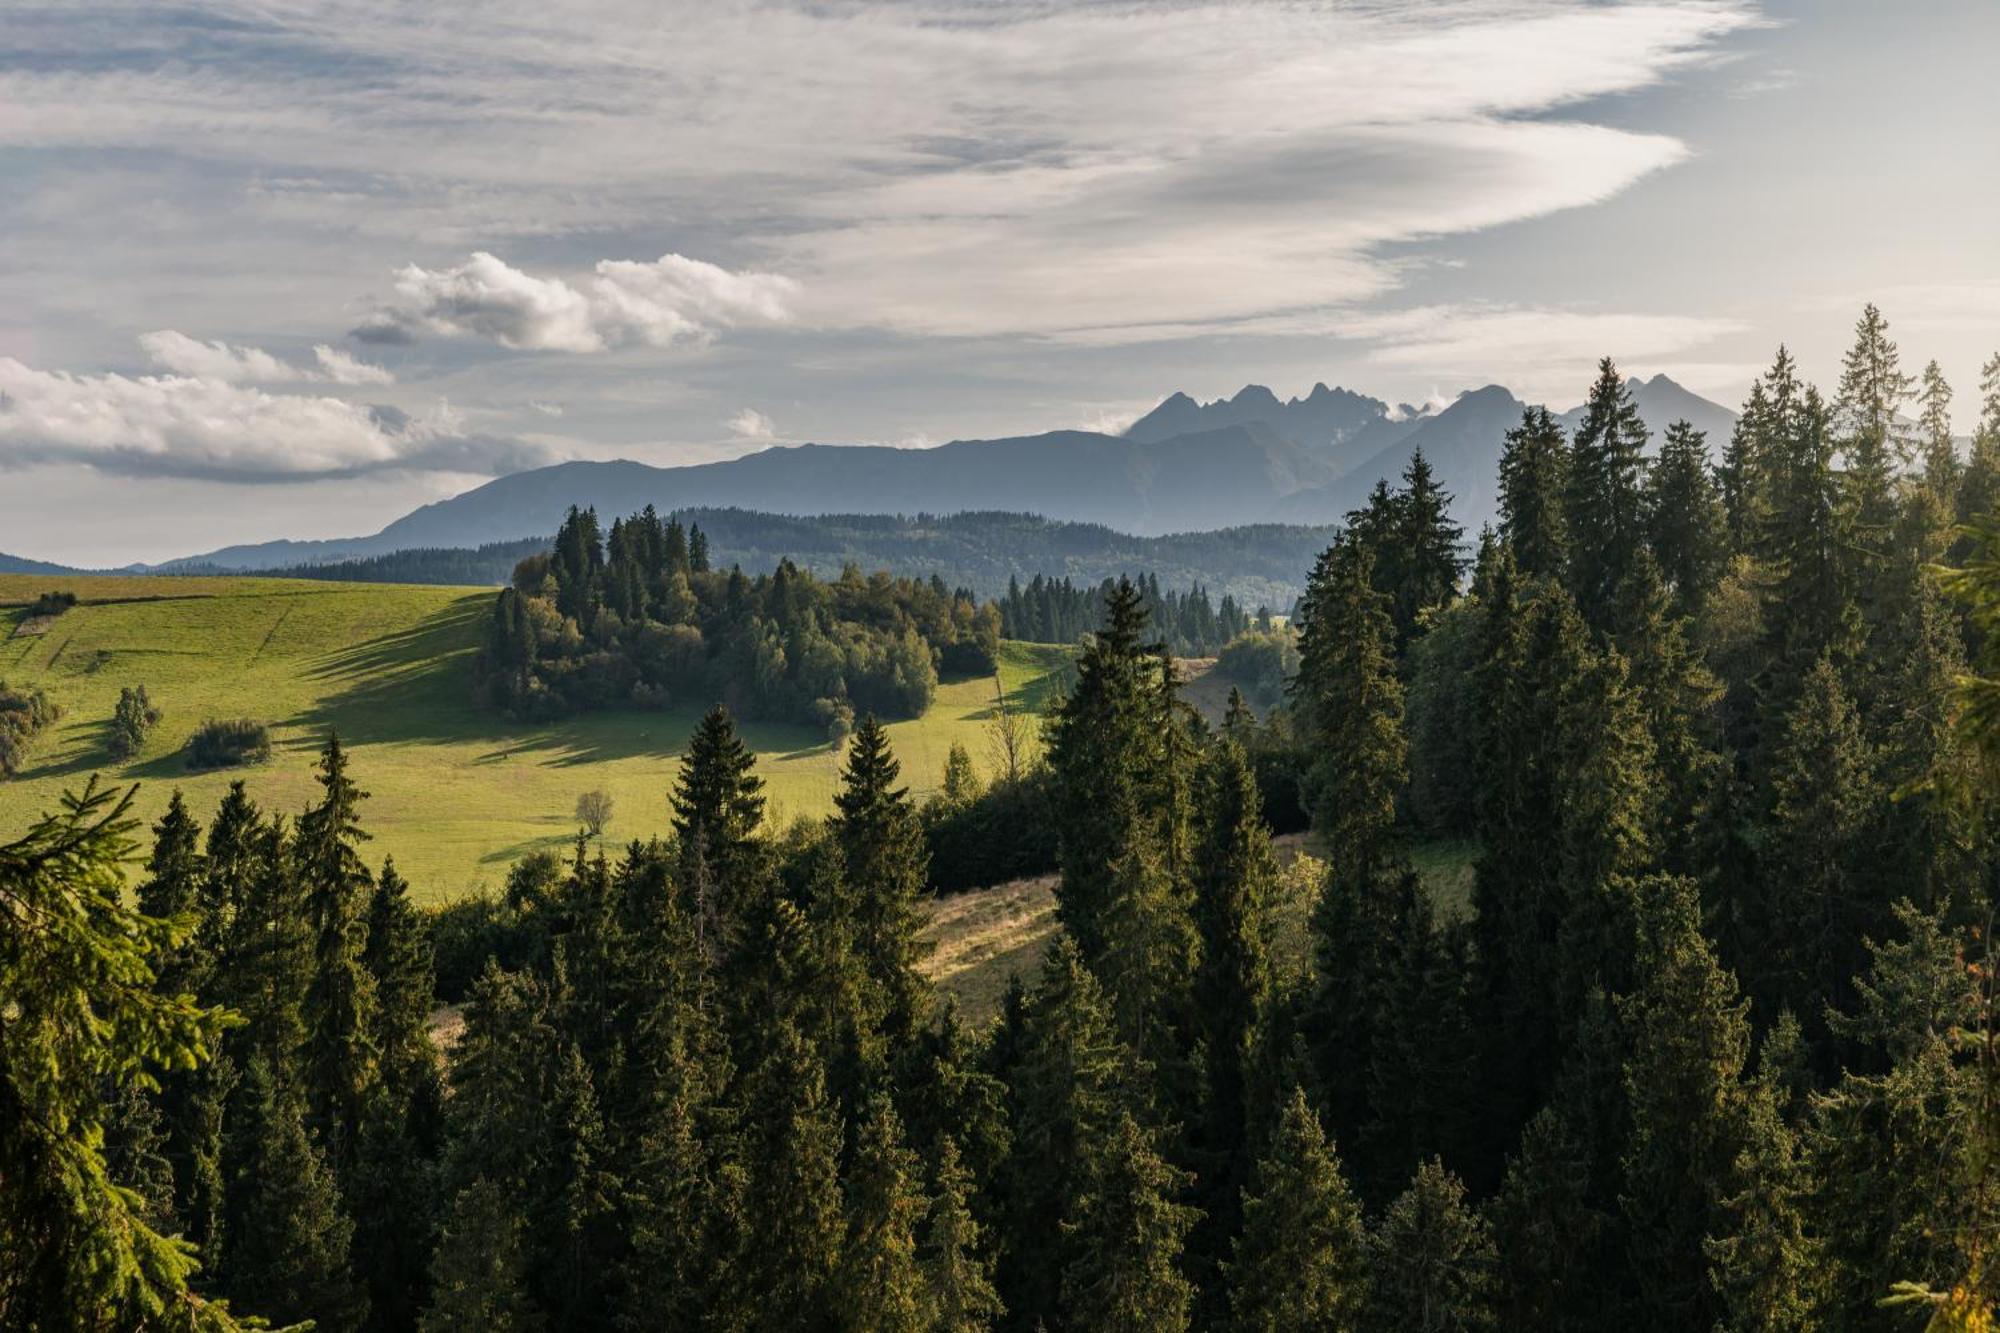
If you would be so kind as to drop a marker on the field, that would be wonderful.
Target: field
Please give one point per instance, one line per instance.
(456, 792)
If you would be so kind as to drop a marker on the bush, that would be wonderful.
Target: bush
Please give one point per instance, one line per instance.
(131, 721)
(835, 717)
(23, 713)
(1259, 663)
(217, 743)
(52, 604)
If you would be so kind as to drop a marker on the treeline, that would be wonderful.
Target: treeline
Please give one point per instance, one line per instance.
(643, 619)
(1711, 1046)
(1262, 564)
(1049, 610)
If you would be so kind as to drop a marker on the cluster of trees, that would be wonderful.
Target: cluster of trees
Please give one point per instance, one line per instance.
(641, 618)
(131, 720)
(24, 712)
(51, 604)
(1712, 1046)
(1050, 610)
(228, 743)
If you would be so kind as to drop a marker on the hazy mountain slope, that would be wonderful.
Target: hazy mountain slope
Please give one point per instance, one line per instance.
(1211, 479)
(1662, 402)
(1324, 420)
(1463, 446)
(16, 564)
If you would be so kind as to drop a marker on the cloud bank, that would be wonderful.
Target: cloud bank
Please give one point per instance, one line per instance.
(191, 426)
(669, 301)
(228, 363)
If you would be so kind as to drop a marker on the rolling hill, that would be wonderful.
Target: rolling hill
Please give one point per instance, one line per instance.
(458, 793)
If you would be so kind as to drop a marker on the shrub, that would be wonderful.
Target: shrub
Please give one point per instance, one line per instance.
(1259, 663)
(52, 604)
(218, 743)
(23, 713)
(835, 717)
(131, 721)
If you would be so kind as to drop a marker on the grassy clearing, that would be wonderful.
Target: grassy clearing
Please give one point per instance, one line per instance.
(457, 793)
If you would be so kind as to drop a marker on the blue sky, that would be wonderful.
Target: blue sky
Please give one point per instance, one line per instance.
(289, 269)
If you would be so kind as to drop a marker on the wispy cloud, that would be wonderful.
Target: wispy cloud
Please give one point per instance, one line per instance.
(229, 363)
(750, 424)
(670, 300)
(193, 426)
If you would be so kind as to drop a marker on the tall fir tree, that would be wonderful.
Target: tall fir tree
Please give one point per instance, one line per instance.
(718, 805)
(793, 1188)
(1425, 550)
(957, 1272)
(1432, 1260)
(1127, 1230)
(1534, 477)
(340, 1053)
(1302, 1256)
(879, 1285)
(1604, 500)
(1687, 528)
(884, 861)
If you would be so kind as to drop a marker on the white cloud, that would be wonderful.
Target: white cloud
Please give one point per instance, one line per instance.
(229, 363)
(222, 361)
(340, 368)
(188, 426)
(668, 301)
(750, 424)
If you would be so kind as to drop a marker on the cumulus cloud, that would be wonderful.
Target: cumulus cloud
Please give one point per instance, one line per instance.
(750, 424)
(228, 363)
(625, 303)
(191, 426)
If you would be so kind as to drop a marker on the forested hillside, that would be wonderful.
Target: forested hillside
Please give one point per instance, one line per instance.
(1710, 1047)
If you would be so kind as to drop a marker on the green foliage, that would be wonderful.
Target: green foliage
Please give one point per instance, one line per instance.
(1534, 479)
(217, 743)
(1127, 1229)
(1302, 1257)
(1432, 1260)
(130, 723)
(23, 713)
(1604, 504)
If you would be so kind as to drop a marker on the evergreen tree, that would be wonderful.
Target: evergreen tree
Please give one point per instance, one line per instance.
(1426, 547)
(717, 807)
(793, 1189)
(879, 1285)
(1126, 1231)
(882, 846)
(1603, 501)
(480, 1274)
(1744, 477)
(1940, 453)
(1686, 524)
(1809, 607)
(1432, 1260)
(1106, 758)
(1680, 698)
(957, 1275)
(1534, 475)
(1302, 1259)
(85, 1017)
(340, 1054)
(290, 1234)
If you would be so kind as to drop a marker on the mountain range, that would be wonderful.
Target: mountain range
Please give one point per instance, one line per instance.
(1186, 466)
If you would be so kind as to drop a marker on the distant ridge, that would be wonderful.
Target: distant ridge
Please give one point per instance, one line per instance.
(1185, 466)
(16, 564)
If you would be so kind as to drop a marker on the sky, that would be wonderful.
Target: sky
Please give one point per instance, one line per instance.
(290, 268)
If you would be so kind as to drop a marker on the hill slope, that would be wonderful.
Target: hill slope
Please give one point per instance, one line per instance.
(457, 792)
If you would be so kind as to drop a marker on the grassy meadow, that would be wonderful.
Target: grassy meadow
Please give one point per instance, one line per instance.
(457, 793)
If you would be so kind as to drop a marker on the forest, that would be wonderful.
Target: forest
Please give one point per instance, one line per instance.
(642, 619)
(1711, 1047)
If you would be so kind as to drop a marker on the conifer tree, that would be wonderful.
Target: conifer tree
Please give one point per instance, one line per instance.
(1689, 1037)
(879, 1285)
(1421, 1055)
(1766, 1265)
(86, 1018)
(1534, 474)
(1431, 1260)
(1235, 881)
(957, 1275)
(1940, 453)
(1604, 501)
(793, 1188)
(1554, 1231)
(290, 1233)
(882, 846)
(340, 1053)
(397, 954)
(1679, 698)
(1302, 1258)
(1686, 525)
(717, 807)
(1809, 604)
(1426, 547)
(1064, 1096)
(480, 1274)
(1126, 1231)
(1105, 755)
(1743, 479)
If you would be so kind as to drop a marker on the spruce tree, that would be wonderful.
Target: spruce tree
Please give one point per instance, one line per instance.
(1427, 550)
(957, 1274)
(340, 1056)
(1743, 479)
(1680, 699)
(793, 1189)
(882, 846)
(1534, 472)
(480, 1274)
(879, 1285)
(86, 1024)
(1686, 525)
(1431, 1260)
(1604, 501)
(289, 1232)
(1126, 1231)
(1940, 453)
(1302, 1257)
(717, 805)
